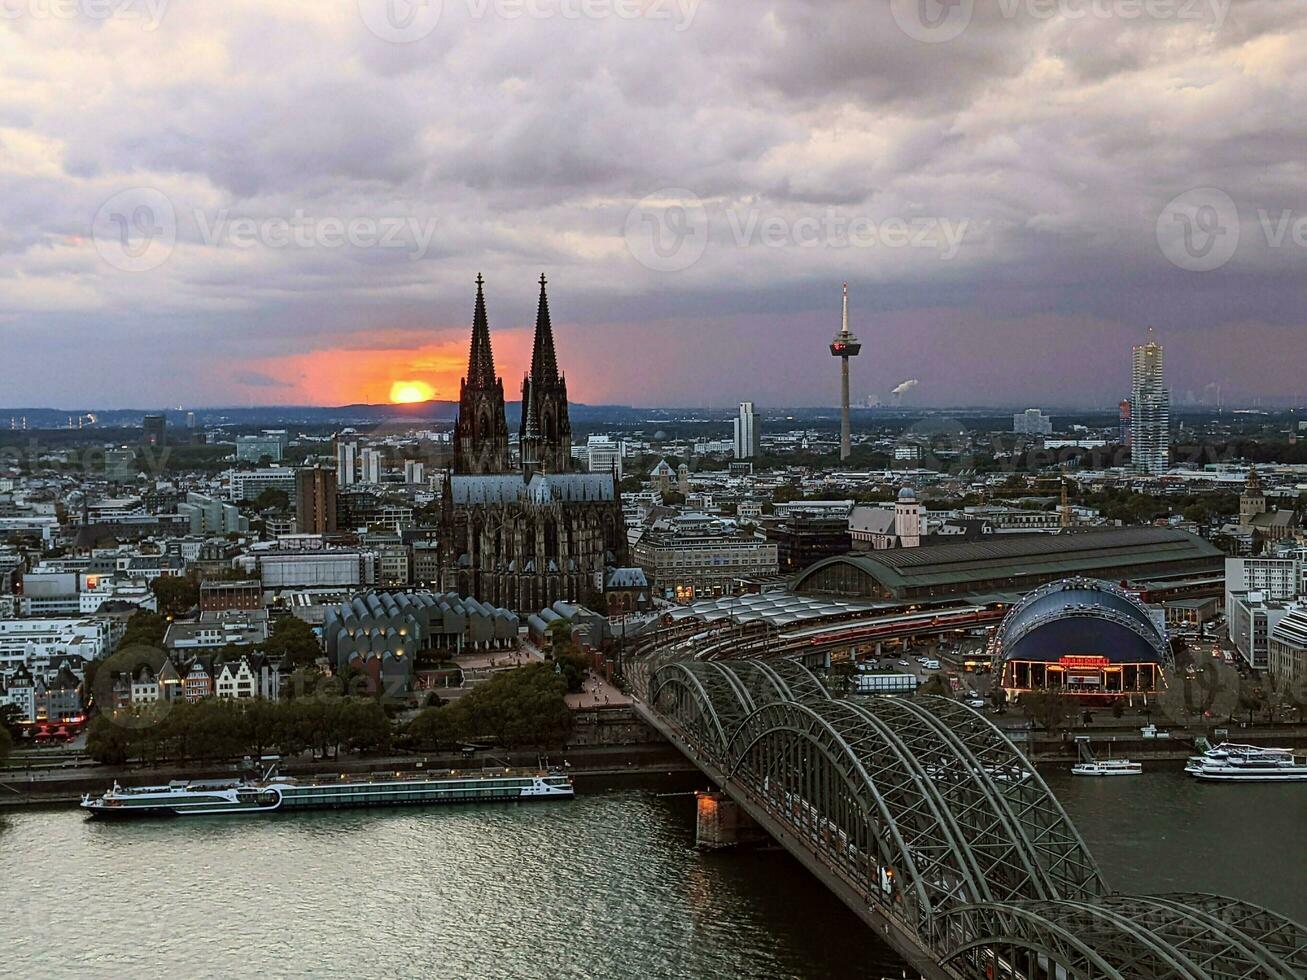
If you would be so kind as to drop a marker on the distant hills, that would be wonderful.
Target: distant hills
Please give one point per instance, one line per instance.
(443, 413)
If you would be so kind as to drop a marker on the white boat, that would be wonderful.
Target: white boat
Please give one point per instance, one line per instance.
(1089, 766)
(1231, 763)
(1108, 767)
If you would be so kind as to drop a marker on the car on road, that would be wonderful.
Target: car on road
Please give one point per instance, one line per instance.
(975, 703)
(903, 663)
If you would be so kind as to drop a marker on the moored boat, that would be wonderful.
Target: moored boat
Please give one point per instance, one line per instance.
(275, 793)
(1231, 763)
(1108, 767)
(1091, 766)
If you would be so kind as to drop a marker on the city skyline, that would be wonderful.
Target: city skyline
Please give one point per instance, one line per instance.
(445, 404)
(992, 199)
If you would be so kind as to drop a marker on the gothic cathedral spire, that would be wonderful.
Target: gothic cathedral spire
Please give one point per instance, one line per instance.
(481, 359)
(481, 432)
(544, 400)
(544, 362)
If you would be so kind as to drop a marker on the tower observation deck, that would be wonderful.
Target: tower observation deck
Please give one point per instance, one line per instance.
(844, 346)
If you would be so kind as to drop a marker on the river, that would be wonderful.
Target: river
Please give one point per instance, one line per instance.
(606, 885)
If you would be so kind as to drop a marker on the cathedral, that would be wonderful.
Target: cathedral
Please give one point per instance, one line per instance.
(524, 537)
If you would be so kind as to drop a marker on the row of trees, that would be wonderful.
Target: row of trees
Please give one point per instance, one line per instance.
(215, 729)
(515, 708)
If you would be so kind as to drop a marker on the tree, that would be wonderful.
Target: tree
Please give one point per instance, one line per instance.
(302, 682)
(572, 663)
(144, 629)
(1048, 709)
(294, 640)
(366, 725)
(523, 707)
(176, 594)
(9, 716)
(785, 493)
(107, 742)
(936, 686)
(273, 499)
(6, 744)
(998, 699)
(844, 670)
(259, 725)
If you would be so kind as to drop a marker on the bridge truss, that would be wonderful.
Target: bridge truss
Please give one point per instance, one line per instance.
(931, 816)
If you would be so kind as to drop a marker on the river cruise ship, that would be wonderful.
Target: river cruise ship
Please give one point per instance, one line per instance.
(1229, 763)
(274, 793)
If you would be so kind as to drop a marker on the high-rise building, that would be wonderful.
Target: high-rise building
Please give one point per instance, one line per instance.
(604, 455)
(120, 465)
(315, 501)
(746, 432)
(1032, 422)
(1150, 407)
(156, 429)
(844, 346)
(415, 472)
(248, 484)
(253, 449)
(370, 466)
(1125, 422)
(210, 516)
(346, 463)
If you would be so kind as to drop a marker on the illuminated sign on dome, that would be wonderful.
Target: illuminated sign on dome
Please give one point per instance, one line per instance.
(1083, 663)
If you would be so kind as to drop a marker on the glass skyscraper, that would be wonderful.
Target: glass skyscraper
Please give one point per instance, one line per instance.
(1150, 411)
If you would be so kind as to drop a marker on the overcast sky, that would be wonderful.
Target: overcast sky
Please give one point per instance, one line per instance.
(224, 202)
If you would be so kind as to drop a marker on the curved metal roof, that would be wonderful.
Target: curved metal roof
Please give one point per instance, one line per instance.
(1081, 617)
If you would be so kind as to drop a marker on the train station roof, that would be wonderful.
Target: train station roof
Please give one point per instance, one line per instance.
(773, 608)
(1013, 562)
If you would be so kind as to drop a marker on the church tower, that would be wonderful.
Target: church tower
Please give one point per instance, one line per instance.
(481, 432)
(544, 401)
(1252, 501)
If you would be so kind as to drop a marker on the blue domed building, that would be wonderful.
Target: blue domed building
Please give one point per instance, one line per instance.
(1084, 637)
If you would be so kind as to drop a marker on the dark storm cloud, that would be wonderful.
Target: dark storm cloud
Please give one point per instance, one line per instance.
(1031, 159)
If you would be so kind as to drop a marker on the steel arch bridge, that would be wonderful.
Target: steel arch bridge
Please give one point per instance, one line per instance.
(926, 815)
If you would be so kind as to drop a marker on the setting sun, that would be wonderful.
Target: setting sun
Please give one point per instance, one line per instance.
(408, 392)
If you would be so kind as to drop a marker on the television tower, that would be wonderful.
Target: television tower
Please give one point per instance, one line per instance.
(844, 346)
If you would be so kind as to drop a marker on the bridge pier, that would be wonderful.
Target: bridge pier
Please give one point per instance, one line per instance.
(721, 822)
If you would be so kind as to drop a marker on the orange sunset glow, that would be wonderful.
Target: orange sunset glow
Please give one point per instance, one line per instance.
(409, 392)
(394, 375)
